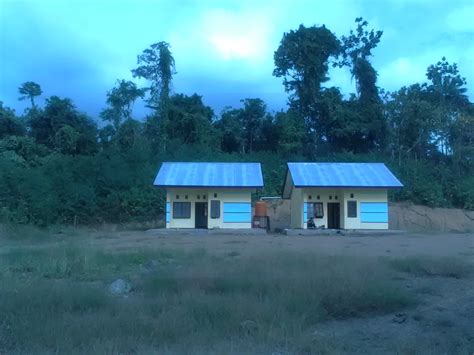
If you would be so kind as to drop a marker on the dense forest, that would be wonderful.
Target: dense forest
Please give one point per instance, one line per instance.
(58, 165)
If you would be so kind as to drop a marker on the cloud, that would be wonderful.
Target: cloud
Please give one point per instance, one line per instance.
(223, 50)
(407, 70)
(461, 19)
(237, 35)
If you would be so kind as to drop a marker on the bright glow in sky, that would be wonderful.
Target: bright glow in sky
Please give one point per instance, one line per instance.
(223, 49)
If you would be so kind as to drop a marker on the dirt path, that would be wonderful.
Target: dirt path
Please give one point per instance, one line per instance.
(394, 245)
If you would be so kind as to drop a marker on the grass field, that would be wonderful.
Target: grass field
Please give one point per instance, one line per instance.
(54, 298)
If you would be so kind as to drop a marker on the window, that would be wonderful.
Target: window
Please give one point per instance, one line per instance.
(318, 197)
(352, 195)
(352, 209)
(310, 197)
(315, 210)
(199, 197)
(181, 209)
(330, 197)
(335, 197)
(177, 197)
(215, 209)
(215, 195)
(185, 197)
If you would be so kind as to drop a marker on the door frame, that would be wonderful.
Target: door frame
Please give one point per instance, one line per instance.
(202, 216)
(332, 206)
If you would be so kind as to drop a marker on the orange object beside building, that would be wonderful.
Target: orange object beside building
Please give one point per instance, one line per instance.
(260, 208)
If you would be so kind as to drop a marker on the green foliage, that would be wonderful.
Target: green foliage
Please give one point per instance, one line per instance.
(189, 121)
(58, 167)
(120, 100)
(29, 91)
(61, 127)
(10, 125)
(158, 67)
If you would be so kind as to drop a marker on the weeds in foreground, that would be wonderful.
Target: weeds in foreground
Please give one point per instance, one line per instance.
(183, 300)
(430, 266)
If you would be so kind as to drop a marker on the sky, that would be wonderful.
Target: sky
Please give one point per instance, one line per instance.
(223, 49)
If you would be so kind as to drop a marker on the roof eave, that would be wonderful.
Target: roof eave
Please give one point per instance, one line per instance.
(208, 187)
(348, 187)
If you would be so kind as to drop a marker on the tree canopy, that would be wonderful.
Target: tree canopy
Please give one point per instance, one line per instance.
(59, 165)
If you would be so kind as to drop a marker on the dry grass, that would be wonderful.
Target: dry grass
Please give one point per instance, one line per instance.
(430, 266)
(55, 300)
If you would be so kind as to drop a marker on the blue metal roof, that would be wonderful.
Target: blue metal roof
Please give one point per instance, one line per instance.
(342, 175)
(209, 175)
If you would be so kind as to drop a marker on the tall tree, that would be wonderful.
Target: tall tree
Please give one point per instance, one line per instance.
(157, 65)
(448, 92)
(302, 59)
(356, 49)
(29, 90)
(412, 119)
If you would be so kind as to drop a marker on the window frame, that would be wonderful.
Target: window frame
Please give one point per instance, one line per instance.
(213, 204)
(315, 210)
(352, 203)
(178, 212)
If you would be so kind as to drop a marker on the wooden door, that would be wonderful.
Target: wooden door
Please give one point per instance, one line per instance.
(200, 217)
(334, 215)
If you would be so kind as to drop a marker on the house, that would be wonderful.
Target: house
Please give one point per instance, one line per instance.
(339, 195)
(209, 195)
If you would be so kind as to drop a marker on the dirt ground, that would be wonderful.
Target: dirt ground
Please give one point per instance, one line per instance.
(442, 321)
(402, 245)
(444, 318)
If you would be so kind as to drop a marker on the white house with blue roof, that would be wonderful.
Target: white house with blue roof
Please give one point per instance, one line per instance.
(339, 195)
(209, 195)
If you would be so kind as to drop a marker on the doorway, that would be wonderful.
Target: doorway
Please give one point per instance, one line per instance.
(201, 215)
(334, 215)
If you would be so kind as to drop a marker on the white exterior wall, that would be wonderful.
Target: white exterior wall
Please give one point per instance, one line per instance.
(301, 196)
(223, 195)
(364, 195)
(324, 195)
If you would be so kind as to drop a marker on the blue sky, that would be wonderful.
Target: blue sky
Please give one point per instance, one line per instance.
(223, 49)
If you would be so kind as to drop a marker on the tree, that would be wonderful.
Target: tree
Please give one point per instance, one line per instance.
(355, 52)
(290, 132)
(302, 60)
(230, 129)
(412, 120)
(121, 100)
(447, 92)
(158, 67)
(30, 90)
(356, 49)
(128, 134)
(189, 121)
(251, 117)
(62, 127)
(10, 125)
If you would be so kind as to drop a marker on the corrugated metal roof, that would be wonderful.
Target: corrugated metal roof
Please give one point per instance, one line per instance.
(342, 175)
(209, 175)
